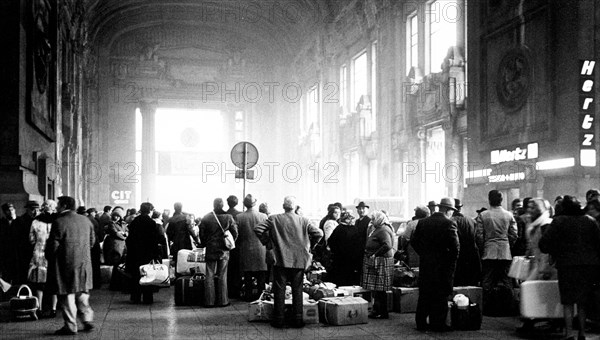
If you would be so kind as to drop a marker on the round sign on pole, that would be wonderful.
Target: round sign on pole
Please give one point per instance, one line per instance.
(244, 152)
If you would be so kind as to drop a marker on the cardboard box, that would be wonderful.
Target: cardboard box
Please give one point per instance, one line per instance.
(260, 311)
(342, 311)
(475, 294)
(405, 299)
(263, 311)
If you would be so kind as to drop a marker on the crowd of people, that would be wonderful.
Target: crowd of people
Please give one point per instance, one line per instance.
(57, 249)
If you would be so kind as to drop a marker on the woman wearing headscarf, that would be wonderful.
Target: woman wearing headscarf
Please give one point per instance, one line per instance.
(347, 252)
(573, 240)
(113, 247)
(142, 248)
(538, 211)
(378, 263)
(321, 252)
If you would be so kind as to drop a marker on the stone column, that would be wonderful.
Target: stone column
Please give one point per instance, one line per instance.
(148, 110)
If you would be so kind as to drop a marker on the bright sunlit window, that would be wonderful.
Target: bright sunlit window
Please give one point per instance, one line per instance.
(359, 79)
(443, 16)
(412, 37)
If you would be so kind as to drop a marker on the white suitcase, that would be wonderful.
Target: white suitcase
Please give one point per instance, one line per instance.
(187, 259)
(541, 300)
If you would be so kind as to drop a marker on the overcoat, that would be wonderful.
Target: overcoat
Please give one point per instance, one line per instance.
(68, 251)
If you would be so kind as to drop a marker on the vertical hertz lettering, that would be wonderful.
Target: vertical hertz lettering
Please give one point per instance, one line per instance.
(587, 130)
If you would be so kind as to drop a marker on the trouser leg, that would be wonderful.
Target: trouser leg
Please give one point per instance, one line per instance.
(209, 283)
(438, 312)
(69, 311)
(296, 278)
(222, 296)
(83, 307)
(279, 279)
(423, 304)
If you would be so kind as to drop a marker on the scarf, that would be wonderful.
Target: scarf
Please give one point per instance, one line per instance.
(543, 219)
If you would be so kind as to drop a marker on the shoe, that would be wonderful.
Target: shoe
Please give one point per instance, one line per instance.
(64, 331)
(52, 314)
(581, 337)
(39, 314)
(88, 326)
(225, 305)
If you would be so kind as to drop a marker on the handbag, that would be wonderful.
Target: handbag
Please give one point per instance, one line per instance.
(520, 267)
(229, 240)
(405, 276)
(154, 274)
(24, 304)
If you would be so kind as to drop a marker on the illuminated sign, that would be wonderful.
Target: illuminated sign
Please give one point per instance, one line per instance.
(518, 154)
(120, 197)
(587, 138)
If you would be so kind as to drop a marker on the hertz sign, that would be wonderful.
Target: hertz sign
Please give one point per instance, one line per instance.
(587, 127)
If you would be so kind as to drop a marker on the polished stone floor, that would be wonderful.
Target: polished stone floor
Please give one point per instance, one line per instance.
(116, 318)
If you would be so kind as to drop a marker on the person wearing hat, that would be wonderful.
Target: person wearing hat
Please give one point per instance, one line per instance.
(252, 253)
(292, 237)
(23, 247)
(436, 241)
(468, 265)
(362, 224)
(7, 251)
(347, 250)
(432, 205)
(496, 233)
(179, 231)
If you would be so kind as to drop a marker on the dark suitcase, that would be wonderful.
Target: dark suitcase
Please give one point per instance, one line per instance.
(189, 290)
(466, 319)
(24, 305)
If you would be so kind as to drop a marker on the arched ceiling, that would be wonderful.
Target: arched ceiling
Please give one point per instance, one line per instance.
(262, 29)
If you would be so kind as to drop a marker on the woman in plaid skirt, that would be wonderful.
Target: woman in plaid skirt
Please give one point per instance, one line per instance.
(378, 263)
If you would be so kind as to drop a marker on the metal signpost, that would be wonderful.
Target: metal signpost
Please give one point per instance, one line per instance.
(244, 156)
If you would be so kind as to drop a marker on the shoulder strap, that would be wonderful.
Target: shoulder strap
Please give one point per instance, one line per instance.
(216, 218)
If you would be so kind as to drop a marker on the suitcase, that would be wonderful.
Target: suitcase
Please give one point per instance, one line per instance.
(187, 259)
(540, 300)
(23, 305)
(405, 299)
(189, 290)
(340, 311)
(475, 294)
(466, 319)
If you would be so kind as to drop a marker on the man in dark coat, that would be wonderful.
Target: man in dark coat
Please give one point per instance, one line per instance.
(68, 251)
(212, 235)
(142, 248)
(436, 241)
(179, 231)
(292, 237)
(234, 273)
(20, 236)
(362, 228)
(252, 253)
(348, 249)
(104, 218)
(468, 265)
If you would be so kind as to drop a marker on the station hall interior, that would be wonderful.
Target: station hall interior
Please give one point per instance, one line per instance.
(391, 102)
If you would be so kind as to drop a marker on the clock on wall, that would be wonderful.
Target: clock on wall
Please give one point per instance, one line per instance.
(514, 79)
